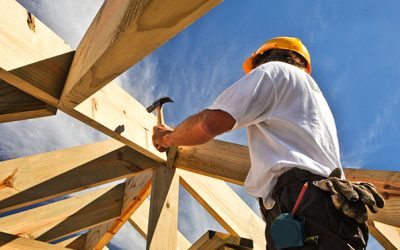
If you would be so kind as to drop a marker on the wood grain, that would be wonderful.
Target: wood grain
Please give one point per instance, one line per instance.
(134, 26)
(65, 217)
(140, 218)
(37, 178)
(8, 241)
(387, 236)
(163, 218)
(16, 105)
(42, 73)
(19, 45)
(218, 159)
(137, 188)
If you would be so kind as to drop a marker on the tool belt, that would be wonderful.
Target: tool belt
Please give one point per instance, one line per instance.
(327, 227)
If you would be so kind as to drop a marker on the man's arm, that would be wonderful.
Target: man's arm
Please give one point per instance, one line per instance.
(195, 130)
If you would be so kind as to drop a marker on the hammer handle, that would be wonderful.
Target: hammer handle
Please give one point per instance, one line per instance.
(160, 116)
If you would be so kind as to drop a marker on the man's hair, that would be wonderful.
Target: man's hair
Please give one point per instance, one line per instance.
(281, 55)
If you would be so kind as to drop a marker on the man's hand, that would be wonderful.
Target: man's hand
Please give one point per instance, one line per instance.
(160, 141)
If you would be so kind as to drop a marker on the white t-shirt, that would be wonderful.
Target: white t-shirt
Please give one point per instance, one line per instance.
(289, 124)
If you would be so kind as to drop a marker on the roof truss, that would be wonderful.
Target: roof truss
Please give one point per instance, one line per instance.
(40, 74)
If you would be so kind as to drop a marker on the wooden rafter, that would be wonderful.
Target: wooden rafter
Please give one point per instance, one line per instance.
(65, 217)
(134, 26)
(137, 188)
(16, 105)
(37, 178)
(225, 206)
(387, 236)
(20, 45)
(140, 218)
(42, 75)
(211, 159)
(8, 241)
(163, 217)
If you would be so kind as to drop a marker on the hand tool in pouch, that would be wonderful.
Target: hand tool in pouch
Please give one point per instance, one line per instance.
(287, 230)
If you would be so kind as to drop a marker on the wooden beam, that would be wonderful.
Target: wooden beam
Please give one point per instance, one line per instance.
(385, 215)
(212, 240)
(387, 236)
(163, 218)
(116, 113)
(62, 218)
(111, 110)
(37, 178)
(137, 26)
(140, 218)
(8, 241)
(16, 105)
(387, 182)
(137, 188)
(223, 160)
(41, 73)
(77, 242)
(225, 206)
(20, 44)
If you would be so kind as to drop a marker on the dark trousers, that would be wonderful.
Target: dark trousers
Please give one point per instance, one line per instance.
(322, 219)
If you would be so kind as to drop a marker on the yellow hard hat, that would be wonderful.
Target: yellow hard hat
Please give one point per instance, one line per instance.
(288, 43)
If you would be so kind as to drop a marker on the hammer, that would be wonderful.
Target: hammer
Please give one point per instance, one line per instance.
(158, 105)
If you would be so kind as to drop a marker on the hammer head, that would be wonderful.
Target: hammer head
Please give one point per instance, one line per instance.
(158, 103)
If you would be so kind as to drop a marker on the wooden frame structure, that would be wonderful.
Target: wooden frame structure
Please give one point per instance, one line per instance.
(40, 74)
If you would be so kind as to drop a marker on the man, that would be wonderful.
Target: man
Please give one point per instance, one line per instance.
(291, 136)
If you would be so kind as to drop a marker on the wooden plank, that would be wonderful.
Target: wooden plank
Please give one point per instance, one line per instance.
(8, 241)
(41, 73)
(387, 182)
(225, 206)
(37, 178)
(46, 77)
(114, 112)
(386, 215)
(140, 218)
(212, 240)
(137, 26)
(163, 218)
(95, 234)
(218, 159)
(16, 105)
(387, 236)
(110, 110)
(19, 44)
(137, 188)
(62, 218)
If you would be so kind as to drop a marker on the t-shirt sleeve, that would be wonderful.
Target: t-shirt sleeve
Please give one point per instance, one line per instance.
(248, 100)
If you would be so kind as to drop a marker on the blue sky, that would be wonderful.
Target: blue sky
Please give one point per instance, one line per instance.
(355, 56)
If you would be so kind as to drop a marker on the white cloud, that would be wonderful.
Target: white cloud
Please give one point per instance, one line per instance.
(44, 134)
(372, 141)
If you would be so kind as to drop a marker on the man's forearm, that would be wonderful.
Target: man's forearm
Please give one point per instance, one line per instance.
(200, 128)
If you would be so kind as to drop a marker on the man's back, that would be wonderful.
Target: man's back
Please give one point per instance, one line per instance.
(289, 124)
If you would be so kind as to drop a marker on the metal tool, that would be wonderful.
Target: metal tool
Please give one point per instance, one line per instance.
(158, 105)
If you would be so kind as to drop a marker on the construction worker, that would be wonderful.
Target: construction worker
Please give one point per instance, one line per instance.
(292, 140)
